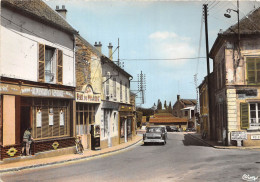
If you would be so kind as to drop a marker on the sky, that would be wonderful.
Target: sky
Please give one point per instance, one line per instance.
(155, 37)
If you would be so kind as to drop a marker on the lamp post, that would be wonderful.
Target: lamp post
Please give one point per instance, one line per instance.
(227, 15)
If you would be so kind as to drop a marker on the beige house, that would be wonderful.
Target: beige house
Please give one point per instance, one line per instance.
(237, 81)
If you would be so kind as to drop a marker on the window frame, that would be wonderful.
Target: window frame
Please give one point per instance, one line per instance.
(255, 70)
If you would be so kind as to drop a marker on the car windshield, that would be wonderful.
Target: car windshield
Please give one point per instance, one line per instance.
(154, 130)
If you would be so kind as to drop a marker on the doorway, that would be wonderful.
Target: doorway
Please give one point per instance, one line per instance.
(25, 120)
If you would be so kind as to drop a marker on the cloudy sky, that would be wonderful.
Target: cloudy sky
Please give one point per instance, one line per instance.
(156, 37)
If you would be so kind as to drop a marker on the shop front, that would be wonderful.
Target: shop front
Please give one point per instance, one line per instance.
(48, 111)
(87, 103)
(126, 123)
(109, 124)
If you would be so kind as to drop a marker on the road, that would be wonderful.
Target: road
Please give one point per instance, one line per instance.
(181, 159)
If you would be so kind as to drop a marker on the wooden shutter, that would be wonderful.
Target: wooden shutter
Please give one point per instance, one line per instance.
(41, 62)
(251, 77)
(244, 119)
(59, 66)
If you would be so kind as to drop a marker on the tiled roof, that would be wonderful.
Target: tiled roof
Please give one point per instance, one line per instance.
(37, 9)
(168, 120)
(186, 102)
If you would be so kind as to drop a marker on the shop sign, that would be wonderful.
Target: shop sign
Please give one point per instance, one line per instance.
(88, 96)
(238, 135)
(246, 93)
(255, 137)
(34, 91)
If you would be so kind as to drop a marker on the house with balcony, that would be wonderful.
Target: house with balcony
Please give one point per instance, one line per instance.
(37, 73)
(236, 63)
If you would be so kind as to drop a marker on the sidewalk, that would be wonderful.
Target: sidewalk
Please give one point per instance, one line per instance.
(215, 144)
(26, 164)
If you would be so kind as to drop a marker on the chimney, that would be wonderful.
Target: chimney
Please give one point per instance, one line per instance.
(98, 46)
(110, 52)
(62, 11)
(178, 97)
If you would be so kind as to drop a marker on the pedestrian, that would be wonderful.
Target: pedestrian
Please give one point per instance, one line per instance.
(27, 140)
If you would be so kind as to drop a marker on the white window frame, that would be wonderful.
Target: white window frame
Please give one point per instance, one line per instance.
(255, 125)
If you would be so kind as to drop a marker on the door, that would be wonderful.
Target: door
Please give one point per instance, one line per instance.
(109, 143)
(25, 118)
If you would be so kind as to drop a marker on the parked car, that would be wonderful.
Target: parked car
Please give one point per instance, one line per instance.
(172, 128)
(190, 129)
(155, 134)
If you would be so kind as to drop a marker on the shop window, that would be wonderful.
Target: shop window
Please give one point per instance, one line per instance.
(50, 119)
(253, 70)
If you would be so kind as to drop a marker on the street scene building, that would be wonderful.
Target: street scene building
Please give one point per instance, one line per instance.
(66, 87)
(235, 58)
(41, 94)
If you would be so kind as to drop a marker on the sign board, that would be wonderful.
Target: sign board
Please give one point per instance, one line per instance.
(88, 96)
(255, 137)
(39, 118)
(238, 135)
(35, 91)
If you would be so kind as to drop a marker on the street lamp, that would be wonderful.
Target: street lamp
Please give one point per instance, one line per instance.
(227, 15)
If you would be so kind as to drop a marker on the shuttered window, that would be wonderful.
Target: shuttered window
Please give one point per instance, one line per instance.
(60, 67)
(54, 128)
(107, 83)
(253, 70)
(244, 119)
(41, 71)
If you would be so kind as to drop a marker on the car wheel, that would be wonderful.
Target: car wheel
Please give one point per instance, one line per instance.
(145, 143)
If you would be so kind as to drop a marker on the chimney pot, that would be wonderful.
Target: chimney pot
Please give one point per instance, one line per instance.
(98, 46)
(62, 11)
(178, 97)
(110, 52)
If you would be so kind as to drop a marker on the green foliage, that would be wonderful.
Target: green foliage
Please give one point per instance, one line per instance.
(159, 105)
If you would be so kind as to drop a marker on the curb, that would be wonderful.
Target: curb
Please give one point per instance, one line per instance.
(201, 140)
(65, 161)
(223, 147)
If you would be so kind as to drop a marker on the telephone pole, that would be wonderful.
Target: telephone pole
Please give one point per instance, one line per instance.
(205, 10)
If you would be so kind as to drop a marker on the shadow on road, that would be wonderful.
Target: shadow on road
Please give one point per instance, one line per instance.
(189, 141)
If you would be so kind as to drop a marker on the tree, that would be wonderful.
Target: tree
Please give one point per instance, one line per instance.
(170, 107)
(165, 105)
(159, 105)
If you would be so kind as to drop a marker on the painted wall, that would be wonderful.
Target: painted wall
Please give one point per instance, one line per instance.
(20, 36)
(8, 120)
(119, 77)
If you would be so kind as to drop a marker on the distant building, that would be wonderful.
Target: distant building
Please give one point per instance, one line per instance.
(185, 108)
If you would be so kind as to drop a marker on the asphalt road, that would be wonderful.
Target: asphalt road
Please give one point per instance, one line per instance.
(181, 159)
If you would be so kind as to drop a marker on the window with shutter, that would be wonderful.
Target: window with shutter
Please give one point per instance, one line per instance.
(244, 115)
(41, 70)
(107, 83)
(253, 70)
(60, 67)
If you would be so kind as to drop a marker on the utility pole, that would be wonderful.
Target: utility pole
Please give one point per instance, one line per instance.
(205, 9)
